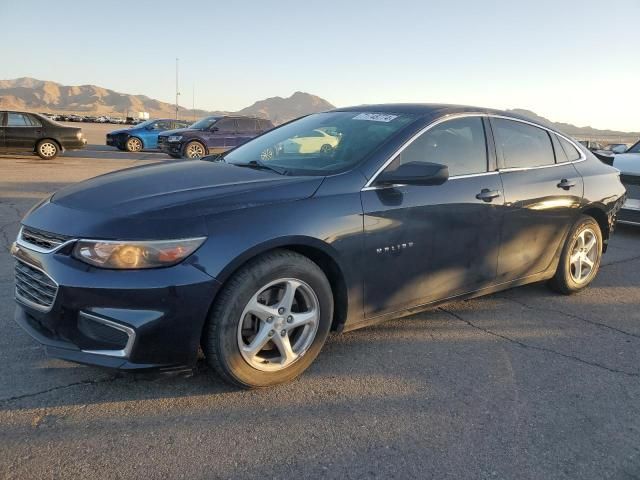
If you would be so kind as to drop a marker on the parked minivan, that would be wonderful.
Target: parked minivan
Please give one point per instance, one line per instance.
(215, 134)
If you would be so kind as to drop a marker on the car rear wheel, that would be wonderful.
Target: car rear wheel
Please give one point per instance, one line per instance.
(134, 144)
(194, 150)
(580, 258)
(270, 320)
(47, 149)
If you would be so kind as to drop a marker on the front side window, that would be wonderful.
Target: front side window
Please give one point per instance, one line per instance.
(226, 125)
(322, 143)
(18, 120)
(522, 145)
(459, 144)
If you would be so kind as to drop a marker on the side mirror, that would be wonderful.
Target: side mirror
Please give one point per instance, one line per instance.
(214, 129)
(415, 173)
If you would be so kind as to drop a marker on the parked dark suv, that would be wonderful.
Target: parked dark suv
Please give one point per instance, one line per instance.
(31, 132)
(215, 134)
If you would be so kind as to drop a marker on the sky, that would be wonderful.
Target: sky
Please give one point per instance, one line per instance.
(568, 60)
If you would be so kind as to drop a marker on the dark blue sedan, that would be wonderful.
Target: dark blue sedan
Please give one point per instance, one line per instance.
(144, 135)
(255, 258)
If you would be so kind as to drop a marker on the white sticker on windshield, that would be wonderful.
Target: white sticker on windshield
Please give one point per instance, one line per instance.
(375, 117)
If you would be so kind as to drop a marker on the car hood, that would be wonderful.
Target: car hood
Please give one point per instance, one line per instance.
(627, 163)
(178, 131)
(123, 130)
(168, 198)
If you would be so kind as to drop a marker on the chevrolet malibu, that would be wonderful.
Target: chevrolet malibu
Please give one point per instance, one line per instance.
(256, 260)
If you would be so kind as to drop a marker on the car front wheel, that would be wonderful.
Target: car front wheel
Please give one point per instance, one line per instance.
(580, 258)
(194, 150)
(270, 320)
(47, 149)
(134, 144)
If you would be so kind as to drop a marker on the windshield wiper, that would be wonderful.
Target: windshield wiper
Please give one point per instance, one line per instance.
(258, 165)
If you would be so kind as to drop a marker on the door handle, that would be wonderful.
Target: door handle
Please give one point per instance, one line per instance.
(566, 184)
(487, 195)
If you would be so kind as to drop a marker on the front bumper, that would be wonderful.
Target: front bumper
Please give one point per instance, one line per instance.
(114, 141)
(128, 320)
(171, 148)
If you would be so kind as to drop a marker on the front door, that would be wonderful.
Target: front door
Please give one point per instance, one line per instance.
(542, 196)
(221, 135)
(425, 243)
(21, 132)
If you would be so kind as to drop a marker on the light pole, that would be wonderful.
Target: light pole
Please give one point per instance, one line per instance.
(177, 89)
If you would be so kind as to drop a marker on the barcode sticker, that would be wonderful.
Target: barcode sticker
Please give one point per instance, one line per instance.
(375, 117)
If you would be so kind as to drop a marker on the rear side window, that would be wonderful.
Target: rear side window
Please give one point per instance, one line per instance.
(18, 120)
(459, 144)
(522, 145)
(570, 151)
(246, 124)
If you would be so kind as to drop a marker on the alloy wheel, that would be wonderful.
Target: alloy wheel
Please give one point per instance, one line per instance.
(134, 145)
(584, 256)
(279, 324)
(48, 149)
(195, 150)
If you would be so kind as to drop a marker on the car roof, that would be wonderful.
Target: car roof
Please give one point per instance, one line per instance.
(437, 110)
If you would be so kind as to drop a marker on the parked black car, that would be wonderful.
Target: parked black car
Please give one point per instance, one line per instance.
(31, 132)
(257, 260)
(215, 134)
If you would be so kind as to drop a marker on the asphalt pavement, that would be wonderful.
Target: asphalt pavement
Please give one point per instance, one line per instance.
(523, 384)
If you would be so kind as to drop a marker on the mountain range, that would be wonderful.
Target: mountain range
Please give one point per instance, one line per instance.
(30, 94)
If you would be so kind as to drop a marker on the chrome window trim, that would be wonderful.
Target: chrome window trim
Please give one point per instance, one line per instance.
(131, 334)
(453, 177)
(369, 185)
(29, 303)
(36, 248)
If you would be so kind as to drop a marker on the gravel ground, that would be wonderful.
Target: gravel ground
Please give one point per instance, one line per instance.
(521, 384)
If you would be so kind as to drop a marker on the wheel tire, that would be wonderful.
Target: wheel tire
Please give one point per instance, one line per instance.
(47, 149)
(133, 144)
(326, 149)
(192, 149)
(222, 333)
(564, 281)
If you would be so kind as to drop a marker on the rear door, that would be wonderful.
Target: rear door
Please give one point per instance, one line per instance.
(542, 196)
(425, 243)
(22, 131)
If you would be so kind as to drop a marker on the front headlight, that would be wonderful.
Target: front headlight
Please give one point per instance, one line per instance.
(79, 135)
(126, 255)
(174, 138)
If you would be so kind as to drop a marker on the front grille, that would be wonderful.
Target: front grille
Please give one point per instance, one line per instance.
(161, 141)
(44, 240)
(34, 287)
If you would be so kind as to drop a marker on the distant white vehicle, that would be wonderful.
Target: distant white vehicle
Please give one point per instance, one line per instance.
(629, 165)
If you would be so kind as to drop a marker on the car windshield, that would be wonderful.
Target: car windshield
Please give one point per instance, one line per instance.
(204, 123)
(144, 124)
(635, 148)
(321, 144)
